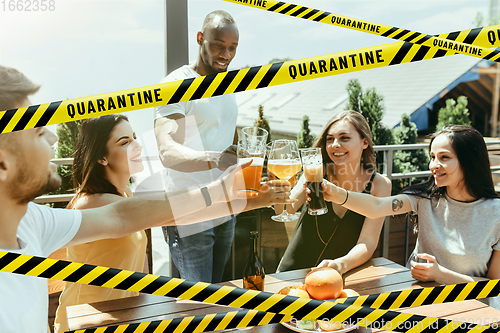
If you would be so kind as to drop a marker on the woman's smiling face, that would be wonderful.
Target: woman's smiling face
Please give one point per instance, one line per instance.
(124, 151)
(344, 144)
(444, 163)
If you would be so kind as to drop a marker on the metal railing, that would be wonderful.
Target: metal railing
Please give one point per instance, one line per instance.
(387, 166)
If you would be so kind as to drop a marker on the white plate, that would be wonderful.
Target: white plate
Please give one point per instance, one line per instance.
(293, 327)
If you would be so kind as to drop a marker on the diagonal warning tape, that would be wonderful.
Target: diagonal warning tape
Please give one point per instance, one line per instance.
(236, 297)
(194, 324)
(392, 321)
(426, 296)
(378, 29)
(233, 81)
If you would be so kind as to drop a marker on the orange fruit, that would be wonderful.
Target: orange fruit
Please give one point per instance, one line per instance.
(324, 283)
(298, 291)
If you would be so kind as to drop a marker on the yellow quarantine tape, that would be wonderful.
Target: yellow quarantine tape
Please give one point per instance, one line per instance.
(194, 324)
(378, 29)
(231, 82)
(402, 322)
(245, 318)
(300, 308)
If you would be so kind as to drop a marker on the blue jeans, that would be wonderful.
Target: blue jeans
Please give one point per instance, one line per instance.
(202, 257)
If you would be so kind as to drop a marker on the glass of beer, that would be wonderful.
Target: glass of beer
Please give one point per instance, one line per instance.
(312, 162)
(254, 136)
(284, 163)
(253, 173)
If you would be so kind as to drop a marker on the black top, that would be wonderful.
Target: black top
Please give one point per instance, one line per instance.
(338, 236)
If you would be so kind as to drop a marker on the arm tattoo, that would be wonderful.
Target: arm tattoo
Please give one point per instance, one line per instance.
(397, 204)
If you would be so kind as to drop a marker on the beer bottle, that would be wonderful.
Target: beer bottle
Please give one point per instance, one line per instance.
(253, 274)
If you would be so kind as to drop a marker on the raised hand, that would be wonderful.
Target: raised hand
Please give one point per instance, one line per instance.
(331, 192)
(275, 192)
(227, 158)
(231, 180)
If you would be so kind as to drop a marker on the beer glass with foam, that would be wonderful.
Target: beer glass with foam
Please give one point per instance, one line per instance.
(312, 164)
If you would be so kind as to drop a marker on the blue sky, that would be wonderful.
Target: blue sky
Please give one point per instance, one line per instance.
(87, 47)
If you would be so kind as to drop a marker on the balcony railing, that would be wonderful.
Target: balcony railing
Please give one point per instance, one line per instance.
(387, 170)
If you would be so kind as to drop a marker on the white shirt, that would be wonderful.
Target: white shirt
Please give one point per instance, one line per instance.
(461, 235)
(24, 299)
(214, 120)
(210, 124)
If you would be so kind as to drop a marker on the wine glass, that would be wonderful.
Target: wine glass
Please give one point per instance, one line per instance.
(284, 163)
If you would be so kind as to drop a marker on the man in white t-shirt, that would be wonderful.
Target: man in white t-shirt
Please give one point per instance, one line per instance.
(27, 228)
(195, 141)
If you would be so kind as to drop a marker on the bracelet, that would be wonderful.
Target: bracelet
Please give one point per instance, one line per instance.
(346, 197)
(206, 195)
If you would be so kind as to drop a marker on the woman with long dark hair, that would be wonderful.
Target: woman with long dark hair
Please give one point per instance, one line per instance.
(458, 210)
(340, 238)
(106, 155)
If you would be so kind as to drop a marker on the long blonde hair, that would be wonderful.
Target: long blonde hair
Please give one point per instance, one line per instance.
(368, 160)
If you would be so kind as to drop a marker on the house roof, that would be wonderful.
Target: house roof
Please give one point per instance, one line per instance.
(408, 88)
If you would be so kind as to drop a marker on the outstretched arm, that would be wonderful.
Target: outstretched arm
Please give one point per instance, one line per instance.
(132, 214)
(163, 208)
(271, 192)
(366, 204)
(368, 238)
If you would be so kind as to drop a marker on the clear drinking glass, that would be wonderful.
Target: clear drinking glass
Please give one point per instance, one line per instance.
(312, 163)
(416, 259)
(284, 163)
(253, 173)
(253, 136)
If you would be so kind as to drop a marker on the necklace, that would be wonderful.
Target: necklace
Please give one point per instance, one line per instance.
(322, 241)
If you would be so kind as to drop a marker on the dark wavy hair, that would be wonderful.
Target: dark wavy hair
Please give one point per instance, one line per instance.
(88, 174)
(472, 154)
(359, 122)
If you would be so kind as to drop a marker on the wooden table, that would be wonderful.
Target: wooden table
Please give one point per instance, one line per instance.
(376, 276)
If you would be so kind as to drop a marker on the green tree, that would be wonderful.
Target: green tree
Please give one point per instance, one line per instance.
(480, 21)
(371, 105)
(263, 122)
(68, 134)
(455, 112)
(407, 160)
(305, 138)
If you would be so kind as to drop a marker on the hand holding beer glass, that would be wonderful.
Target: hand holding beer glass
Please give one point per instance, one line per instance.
(312, 162)
(284, 163)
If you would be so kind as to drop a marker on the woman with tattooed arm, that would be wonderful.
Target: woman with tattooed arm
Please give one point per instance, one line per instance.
(458, 210)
